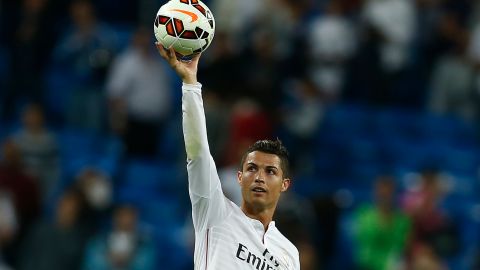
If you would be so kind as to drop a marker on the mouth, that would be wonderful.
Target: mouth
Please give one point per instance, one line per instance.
(259, 190)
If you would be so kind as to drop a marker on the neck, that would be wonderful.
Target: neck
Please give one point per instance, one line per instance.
(264, 215)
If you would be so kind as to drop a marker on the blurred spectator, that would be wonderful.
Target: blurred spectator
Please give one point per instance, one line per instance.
(327, 230)
(30, 35)
(8, 225)
(295, 216)
(382, 230)
(289, 25)
(308, 256)
(124, 247)
(8, 221)
(96, 190)
(386, 48)
(140, 94)
(58, 243)
(223, 67)
(217, 112)
(262, 82)
(39, 149)
(23, 190)
(235, 17)
(394, 20)
(331, 41)
(83, 56)
(453, 89)
(432, 231)
(425, 258)
(302, 117)
(246, 113)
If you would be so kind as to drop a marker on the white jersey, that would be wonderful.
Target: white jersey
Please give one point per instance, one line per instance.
(225, 238)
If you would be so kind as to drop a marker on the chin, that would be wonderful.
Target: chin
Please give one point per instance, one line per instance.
(258, 202)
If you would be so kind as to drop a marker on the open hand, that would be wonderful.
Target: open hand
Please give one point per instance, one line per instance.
(186, 70)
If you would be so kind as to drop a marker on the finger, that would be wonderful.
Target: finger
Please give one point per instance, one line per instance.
(171, 53)
(161, 50)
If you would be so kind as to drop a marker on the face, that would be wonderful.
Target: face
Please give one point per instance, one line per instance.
(82, 13)
(11, 153)
(385, 191)
(68, 209)
(33, 118)
(125, 219)
(261, 180)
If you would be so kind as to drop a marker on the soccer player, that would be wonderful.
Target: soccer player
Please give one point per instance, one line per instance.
(228, 237)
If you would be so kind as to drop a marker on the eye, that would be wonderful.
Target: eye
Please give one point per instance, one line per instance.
(251, 168)
(271, 171)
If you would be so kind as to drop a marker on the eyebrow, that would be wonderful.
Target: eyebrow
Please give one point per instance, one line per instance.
(272, 167)
(267, 167)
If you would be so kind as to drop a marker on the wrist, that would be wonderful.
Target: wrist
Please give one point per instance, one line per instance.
(190, 80)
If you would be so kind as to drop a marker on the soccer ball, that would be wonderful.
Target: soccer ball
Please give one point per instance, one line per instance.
(186, 25)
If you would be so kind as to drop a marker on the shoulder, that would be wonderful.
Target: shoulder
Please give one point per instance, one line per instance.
(288, 253)
(286, 243)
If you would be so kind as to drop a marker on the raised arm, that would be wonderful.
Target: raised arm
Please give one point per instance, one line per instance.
(209, 205)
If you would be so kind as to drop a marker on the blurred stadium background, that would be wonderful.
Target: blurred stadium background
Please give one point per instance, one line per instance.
(377, 100)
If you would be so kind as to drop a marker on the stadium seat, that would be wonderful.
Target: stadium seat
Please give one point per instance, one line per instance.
(347, 121)
(57, 93)
(154, 175)
(76, 142)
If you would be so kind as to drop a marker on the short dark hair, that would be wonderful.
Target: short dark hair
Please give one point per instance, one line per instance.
(270, 147)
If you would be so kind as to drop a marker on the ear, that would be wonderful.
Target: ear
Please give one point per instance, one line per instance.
(286, 184)
(239, 177)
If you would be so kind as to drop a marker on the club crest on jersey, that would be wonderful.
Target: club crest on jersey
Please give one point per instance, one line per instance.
(261, 262)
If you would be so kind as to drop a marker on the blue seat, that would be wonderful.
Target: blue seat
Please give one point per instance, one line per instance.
(76, 142)
(448, 127)
(155, 175)
(461, 160)
(347, 120)
(397, 122)
(58, 91)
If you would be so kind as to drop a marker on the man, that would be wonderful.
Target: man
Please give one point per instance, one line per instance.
(382, 229)
(228, 236)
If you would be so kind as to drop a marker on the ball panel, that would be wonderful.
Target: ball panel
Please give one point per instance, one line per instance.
(168, 41)
(184, 47)
(199, 31)
(201, 9)
(178, 26)
(187, 34)
(170, 30)
(162, 19)
(160, 34)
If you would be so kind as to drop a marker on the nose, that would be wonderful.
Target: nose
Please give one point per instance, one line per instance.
(259, 178)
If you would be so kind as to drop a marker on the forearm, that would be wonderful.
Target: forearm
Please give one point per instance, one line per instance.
(194, 123)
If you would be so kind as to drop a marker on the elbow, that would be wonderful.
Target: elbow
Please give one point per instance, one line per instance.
(196, 150)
